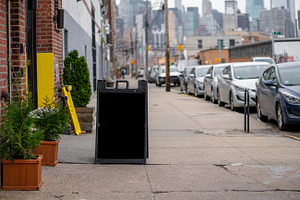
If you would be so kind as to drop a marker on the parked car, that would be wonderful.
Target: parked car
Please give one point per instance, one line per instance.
(141, 72)
(152, 74)
(183, 78)
(263, 59)
(211, 81)
(278, 94)
(160, 77)
(195, 80)
(235, 79)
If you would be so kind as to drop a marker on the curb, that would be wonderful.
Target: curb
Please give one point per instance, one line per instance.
(292, 137)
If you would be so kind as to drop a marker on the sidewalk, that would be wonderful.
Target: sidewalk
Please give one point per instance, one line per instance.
(197, 151)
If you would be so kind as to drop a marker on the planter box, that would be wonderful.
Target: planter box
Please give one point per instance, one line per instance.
(86, 118)
(49, 150)
(22, 174)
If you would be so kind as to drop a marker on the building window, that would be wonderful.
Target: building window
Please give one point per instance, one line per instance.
(200, 44)
(220, 43)
(232, 42)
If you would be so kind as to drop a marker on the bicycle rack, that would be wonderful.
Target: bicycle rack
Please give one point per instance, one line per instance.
(246, 111)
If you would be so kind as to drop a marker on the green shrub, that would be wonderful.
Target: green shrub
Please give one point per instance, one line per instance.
(19, 135)
(76, 74)
(52, 119)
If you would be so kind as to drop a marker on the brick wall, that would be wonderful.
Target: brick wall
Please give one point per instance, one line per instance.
(209, 56)
(49, 39)
(18, 37)
(3, 50)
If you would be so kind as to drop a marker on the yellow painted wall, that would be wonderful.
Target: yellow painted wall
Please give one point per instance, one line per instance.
(45, 77)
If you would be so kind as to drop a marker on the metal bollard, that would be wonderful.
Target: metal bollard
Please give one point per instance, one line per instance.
(246, 111)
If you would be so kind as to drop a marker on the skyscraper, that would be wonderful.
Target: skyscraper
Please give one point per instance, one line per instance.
(129, 9)
(230, 17)
(281, 22)
(287, 4)
(192, 21)
(206, 8)
(178, 5)
(253, 8)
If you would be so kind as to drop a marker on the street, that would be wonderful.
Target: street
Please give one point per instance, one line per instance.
(197, 150)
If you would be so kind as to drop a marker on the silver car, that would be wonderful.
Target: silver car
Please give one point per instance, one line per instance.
(153, 72)
(263, 59)
(183, 78)
(211, 81)
(160, 76)
(235, 79)
(195, 80)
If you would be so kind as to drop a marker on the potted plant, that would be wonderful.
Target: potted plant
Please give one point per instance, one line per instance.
(52, 119)
(76, 74)
(22, 170)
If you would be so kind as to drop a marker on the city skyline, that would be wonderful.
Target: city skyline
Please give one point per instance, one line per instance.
(215, 4)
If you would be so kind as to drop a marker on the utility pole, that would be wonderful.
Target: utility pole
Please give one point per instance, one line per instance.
(167, 46)
(296, 27)
(272, 30)
(131, 56)
(136, 50)
(220, 51)
(147, 42)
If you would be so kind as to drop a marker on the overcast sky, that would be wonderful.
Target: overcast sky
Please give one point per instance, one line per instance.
(216, 4)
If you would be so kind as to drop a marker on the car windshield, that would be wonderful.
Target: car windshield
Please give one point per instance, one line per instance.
(290, 76)
(249, 72)
(188, 70)
(173, 69)
(271, 61)
(201, 72)
(163, 69)
(218, 71)
(153, 69)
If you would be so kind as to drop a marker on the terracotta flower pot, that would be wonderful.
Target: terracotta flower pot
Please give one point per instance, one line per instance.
(22, 174)
(49, 150)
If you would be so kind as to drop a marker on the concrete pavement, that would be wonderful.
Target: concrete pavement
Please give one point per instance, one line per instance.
(197, 151)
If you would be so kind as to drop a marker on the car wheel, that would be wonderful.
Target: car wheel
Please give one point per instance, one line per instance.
(213, 99)
(232, 107)
(188, 90)
(158, 84)
(280, 122)
(220, 103)
(260, 116)
(195, 91)
(185, 89)
(205, 95)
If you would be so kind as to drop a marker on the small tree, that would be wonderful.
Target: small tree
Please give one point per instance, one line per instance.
(19, 136)
(76, 74)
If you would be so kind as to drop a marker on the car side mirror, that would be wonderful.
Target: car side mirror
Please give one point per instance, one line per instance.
(226, 76)
(270, 83)
(192, 75)
(208, 76)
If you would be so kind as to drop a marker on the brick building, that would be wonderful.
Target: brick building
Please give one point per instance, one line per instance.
(29, 29)
(33, 42)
